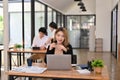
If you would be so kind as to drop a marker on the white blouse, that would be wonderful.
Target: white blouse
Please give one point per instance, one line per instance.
(52, 33)
(38, 42)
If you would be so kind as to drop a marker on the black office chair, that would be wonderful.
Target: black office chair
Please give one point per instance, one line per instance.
(74, 59)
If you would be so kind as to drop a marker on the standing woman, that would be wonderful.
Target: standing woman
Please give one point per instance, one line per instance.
(52, 27)
(60, 44)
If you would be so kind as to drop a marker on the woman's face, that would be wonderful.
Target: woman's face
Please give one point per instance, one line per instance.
(60, 37)
(51, 29)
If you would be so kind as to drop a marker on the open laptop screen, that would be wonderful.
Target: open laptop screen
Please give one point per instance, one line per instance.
(59, 62)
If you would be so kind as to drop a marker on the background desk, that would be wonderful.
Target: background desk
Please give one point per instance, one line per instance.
(22, 51)
(72, 74)
(1, 49)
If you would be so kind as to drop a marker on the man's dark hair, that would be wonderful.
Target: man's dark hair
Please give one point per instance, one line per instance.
(53, 25)
(43, 30)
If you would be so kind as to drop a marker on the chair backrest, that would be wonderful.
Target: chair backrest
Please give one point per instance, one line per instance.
(74, 59)
(38, 57)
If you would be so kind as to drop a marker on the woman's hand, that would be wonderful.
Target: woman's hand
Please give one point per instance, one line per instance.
(61, 47)
(53, 45)
(42, 47)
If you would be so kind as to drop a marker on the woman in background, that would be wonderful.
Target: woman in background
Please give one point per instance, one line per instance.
(52, 27)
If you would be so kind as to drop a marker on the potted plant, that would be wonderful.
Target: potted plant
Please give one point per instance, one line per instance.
(17, 46)
(97, 65)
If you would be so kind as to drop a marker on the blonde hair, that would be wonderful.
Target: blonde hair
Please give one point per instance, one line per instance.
(66, 41)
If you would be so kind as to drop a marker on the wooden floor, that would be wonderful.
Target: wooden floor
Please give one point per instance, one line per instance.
(84, 55)
(109, 60)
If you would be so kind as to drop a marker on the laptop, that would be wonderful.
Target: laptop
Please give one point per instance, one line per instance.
(59, 62)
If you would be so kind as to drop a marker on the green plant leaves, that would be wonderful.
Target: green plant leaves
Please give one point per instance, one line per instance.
(97, 63)
(18, 46)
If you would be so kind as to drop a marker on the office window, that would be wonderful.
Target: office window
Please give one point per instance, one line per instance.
(27, 24)
(49, 11)
(73, 22)
(54, 16)
(15, 21)
(62, 20)
(79, 26)
(59, 18)
(73, 26)
(39, 16)
(87, 21)
(1, 25)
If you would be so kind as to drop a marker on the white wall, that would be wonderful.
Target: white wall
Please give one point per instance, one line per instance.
(103, 22)
(75, 10)
(114, 2)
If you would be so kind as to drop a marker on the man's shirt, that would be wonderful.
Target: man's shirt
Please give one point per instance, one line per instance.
(38, 42)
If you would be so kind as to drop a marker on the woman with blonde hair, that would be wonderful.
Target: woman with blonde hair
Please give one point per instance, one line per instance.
(60, 44)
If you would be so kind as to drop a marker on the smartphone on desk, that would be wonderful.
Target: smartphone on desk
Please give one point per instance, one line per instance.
(36, 48)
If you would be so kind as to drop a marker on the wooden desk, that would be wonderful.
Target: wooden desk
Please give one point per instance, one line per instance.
(26, 51)
(22, 51)
(1, 49)
(72, 74)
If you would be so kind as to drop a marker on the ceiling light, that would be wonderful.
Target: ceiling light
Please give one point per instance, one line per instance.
(82, 7)
(76, 0)
(80, 3)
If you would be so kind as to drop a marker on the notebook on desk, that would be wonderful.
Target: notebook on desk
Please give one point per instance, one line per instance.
(59, 62)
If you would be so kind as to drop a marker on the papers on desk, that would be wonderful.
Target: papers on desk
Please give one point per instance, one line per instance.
(32, 69)
(73, 65)
(84, 71)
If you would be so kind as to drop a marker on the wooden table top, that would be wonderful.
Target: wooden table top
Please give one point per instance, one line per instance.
(2, 47)
(71, 74)
(26, 51)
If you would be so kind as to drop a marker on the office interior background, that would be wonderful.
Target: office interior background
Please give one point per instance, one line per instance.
(100, 20)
